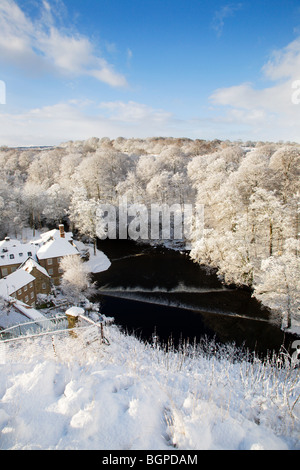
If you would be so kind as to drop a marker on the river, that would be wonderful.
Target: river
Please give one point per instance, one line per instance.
(156, 291)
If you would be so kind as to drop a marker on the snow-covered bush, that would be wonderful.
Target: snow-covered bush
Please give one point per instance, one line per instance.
(76, 282)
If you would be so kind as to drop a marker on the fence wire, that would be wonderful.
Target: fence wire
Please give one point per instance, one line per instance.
(53, 337)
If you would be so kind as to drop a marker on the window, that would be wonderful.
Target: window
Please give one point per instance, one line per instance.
(13, 269)
(60, 270)
(20, 292)
(50, 261)
(20, 254)
(4, 272)
(44, 286)
(50, 271)
(25, 288)
(31, 285)
(26, 299)
(59, 259)
(29, 253)
(12, 256)
(32, 295)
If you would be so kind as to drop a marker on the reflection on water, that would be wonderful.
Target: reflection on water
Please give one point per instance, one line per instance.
(158, 291)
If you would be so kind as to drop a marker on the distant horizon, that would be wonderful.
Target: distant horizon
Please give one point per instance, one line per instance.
(206, 70)
(238, 141)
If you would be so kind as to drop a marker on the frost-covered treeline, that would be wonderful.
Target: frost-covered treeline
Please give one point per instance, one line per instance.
(250, 192)
(252, 220)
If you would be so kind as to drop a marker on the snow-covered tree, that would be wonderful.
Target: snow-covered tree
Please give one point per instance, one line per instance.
(34, 203)
(159, 187)
(83, 214)
(229, 253)
(266, 215)
(133, 188)
(279, 283)
(285, 162)
(56, 204)
(102, 171)
(76, 280)
(172, 159)
(44, 170)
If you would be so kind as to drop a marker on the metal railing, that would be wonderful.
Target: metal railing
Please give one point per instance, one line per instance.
(54, 325)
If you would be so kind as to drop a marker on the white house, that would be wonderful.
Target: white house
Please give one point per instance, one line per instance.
(42, 279)
(54, 234)
(20, 285)
(52, 250)
(13, 253)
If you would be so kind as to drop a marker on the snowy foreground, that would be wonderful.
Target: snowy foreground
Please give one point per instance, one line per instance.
(66, 392)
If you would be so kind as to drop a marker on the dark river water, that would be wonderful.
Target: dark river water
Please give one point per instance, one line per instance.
(155, 291)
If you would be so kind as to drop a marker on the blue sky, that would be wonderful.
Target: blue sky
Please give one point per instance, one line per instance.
(203, 69)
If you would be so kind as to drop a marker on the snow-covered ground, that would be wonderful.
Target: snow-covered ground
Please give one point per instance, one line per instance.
(98, 261)
(71, 392)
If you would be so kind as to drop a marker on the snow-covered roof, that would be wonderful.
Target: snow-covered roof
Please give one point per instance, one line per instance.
(10, 317)
(15, 312)
(14, 252)
(30, 312)
(56, 248)
(55, 234)
(9, 242)
(30, 264)
(14, 282)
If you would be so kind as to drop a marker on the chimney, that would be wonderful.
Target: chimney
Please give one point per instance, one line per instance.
(61, 231)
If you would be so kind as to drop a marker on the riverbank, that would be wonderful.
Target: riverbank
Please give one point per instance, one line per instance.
(154, 289)
(97, 261)
(185, 248)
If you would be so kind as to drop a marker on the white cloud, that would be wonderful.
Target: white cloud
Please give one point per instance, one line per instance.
(48, 125)
(285, 63)
(274, 99)
(129, 53)
(77, 120)
(107, 75)
(220, 15)
(269, 112)
(134, 112)
(46, 5)
(41, 46)
(82, 119)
